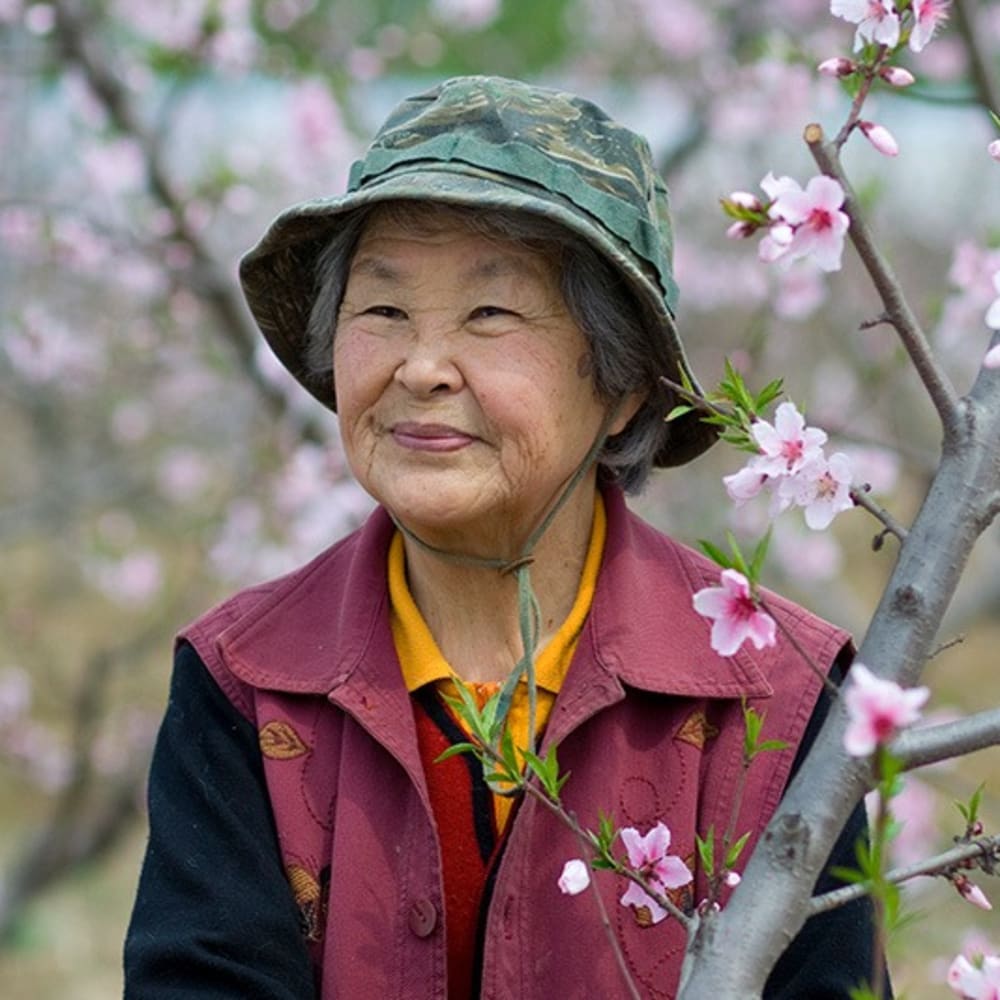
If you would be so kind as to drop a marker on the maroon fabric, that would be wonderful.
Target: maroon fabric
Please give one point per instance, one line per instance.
(648, 721)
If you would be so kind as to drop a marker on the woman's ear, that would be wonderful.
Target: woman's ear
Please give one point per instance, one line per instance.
(625, 411)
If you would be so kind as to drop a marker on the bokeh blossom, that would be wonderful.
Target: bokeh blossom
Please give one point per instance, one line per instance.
(877, 709)
(647, 854)
(735, 614)
(927, 15)
(975, 979)
(993, 313)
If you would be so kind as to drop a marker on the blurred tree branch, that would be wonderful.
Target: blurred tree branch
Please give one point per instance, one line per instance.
(77, 36)
(86, 820)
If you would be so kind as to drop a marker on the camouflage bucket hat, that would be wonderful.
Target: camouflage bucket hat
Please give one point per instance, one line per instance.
(489, 142)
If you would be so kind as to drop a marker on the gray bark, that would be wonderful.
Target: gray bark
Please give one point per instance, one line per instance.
(731, 953)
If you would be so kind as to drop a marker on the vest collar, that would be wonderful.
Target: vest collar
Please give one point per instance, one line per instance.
(327, 625)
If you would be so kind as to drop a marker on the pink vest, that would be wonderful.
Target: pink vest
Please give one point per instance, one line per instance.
(649, 723)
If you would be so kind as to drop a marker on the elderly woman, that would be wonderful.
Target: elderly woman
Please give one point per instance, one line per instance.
(489, 309)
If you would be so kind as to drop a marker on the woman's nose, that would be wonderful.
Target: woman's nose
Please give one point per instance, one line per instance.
(428, 365)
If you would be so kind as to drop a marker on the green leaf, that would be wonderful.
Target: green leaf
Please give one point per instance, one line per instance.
(759, 555)
(996, 118)
(771, 745)
(768, 395)
(739, 561)
(454, 751)
(714, 553)
(706, 851)
(971, 812)
(678, 411)
(734, 852)
(849, 875)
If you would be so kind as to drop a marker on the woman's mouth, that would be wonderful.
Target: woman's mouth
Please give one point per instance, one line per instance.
(416, 436)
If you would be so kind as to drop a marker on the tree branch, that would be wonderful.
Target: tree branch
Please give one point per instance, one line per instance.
(983, 78)
(863, 500)
(896, 307)
(206, 277)
(733, 956)
(919, 747)
(987, 848)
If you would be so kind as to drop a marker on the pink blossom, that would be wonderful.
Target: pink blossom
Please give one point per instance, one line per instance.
(732, 879)
(877, 20)
(818, 225)
(896, 76)
(662, 871)
(735, 614)
(880, 137)
(971, 893)
(993, 313)
(978, 979)
(927, 15)
(575, 877)
(823, 489)
(994, 149)
(745, 484)
(877, 709)
(992, 358)
(789, 443)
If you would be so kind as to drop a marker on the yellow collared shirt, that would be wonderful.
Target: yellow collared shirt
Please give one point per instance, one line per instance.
(423, 663)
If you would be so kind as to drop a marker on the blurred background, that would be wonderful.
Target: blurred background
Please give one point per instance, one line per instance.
(155, 458)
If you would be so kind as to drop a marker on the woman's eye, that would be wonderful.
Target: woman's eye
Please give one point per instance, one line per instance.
(488, 312)
(386, 312)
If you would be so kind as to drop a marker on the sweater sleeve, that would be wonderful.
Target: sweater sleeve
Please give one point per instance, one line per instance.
(214, 915)
(833, 952)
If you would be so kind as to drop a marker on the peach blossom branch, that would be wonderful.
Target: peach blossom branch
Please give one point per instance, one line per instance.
(897, 309)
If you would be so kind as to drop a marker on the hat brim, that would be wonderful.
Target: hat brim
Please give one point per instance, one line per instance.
(278, 274)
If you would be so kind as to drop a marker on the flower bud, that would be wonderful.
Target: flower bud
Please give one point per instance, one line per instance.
(971, 893)
(732, 879)
(880, 137)
(837, 67)
(992, 359)
(896, 76)
(994, 149)
(741, 230)
(744, 199)
(575, 877)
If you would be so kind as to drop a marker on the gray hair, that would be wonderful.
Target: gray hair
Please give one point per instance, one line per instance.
(626, 357)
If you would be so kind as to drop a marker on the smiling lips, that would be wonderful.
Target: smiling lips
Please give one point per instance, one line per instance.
(430, 437)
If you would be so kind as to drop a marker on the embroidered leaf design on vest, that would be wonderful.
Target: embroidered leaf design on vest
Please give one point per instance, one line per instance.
(696, 730)
(308, 895)
(279, 741)
(305, 885)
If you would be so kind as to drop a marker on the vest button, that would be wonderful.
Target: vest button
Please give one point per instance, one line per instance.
(423, 917)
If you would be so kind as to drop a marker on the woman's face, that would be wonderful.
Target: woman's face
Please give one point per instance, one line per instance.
(463, 384)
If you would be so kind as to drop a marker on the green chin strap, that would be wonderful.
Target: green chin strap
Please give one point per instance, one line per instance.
(529, 612)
